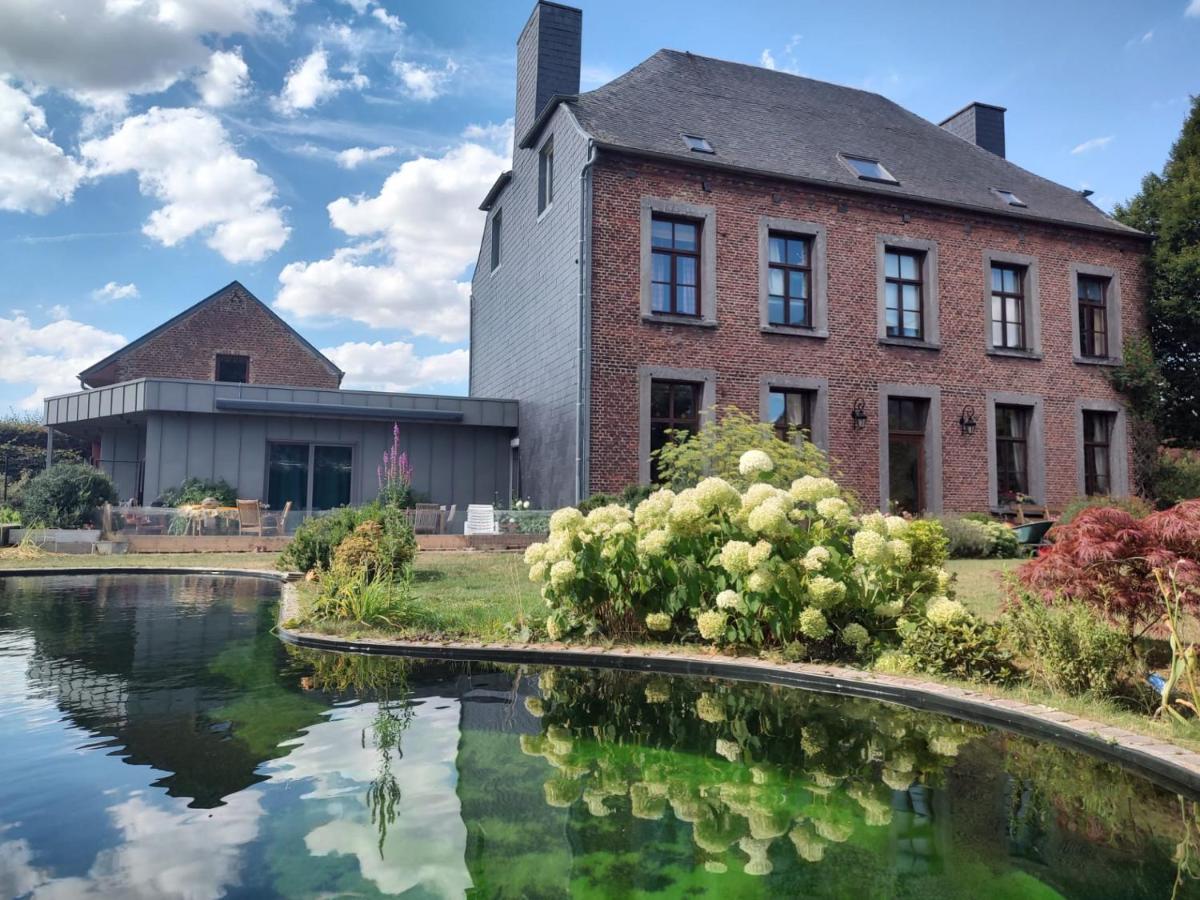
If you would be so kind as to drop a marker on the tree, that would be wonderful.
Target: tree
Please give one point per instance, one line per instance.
(1168, 207)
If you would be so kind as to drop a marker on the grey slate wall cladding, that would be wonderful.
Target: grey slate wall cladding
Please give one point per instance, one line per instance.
(981, 124)
(548, 58)
(525, 315)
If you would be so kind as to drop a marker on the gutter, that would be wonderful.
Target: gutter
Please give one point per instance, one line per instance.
(584, 320)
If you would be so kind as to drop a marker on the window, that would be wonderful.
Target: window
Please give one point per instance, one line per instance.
(869, 169)
(546, 176)
(233, 368)
(697, 144)
(1008, 307)
(1093, 316)
(675, 266)
(674, 406)
(903, 290)
(309, 476)
(906, 418)
(1097, 445)
(1012, 452)
(789, 280)
(497, 231)
(791, 412)
(1008, 197)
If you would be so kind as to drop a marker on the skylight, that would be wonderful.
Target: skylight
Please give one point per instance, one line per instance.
(1008, 197)
(869, 169)
(698, 144)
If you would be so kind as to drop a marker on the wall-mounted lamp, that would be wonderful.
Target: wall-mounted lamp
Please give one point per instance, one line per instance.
(966, 421)
(858, 415)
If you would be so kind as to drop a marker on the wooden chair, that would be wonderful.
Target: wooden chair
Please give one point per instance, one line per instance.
(426, 518)
(277, 522)
(250, 519)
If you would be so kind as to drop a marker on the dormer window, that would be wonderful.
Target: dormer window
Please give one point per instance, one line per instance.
(869, 169)
(1008, 197)
(697, 144)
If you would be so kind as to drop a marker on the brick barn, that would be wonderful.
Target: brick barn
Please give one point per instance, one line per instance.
(699, 233)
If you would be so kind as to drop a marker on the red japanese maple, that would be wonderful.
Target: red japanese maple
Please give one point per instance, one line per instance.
(1106, 558)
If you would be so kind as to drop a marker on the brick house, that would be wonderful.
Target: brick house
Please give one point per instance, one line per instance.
(700, 233)
(228, 390)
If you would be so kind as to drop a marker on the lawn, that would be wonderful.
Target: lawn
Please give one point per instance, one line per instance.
(977, 583)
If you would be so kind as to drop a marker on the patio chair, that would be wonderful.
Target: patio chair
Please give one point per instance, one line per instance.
(250, 517)
(426, 517)
(276, 523)
(481, 520)
(449, 517)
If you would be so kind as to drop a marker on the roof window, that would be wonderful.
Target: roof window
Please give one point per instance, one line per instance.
(1008, 197)
(698, 144)
(868, 169)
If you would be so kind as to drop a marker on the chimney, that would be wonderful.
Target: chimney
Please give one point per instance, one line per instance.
(547, 60)
(980, 123)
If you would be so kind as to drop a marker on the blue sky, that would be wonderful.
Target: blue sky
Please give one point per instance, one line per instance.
(330, 154)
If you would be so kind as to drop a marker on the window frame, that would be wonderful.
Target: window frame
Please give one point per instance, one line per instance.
(1020, 296)
(1024, 415)
(930, 314)
(675, 254)
(901, 282)
(1118, 453)
(848, 159)
(311, 471)
(1032, 308)
(671, 420)
(496, 231)
(225, 357)
(706, 274)
(787, 268)
(932, 475)
(545, 198)
(1091, 474)
(1112, 315)
(818, 388)
(646, 376)
(1091, 339)
(817, 236)
(1035, 459)
(808, 408)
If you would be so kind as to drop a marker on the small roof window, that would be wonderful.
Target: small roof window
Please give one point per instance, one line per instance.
(697, 144)
(868, 169)
(1008, 197)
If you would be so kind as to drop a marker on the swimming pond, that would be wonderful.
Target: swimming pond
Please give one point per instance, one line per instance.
(159, 740)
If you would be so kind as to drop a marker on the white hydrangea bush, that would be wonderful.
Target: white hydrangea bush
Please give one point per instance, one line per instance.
(761, 567)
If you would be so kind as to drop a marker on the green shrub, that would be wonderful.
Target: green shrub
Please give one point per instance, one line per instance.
(631, 496)
(9, 516)
(1176, 476)
(355, 596)
(975, 536)
(961, 646)
(1135, 506)
(717, 447)
(195, 490)
(1068, 647)
(317, 538)
(763, 567)
(67, 495)
(1005, 543)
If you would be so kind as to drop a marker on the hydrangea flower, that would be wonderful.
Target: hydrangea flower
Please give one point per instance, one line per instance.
(656, 693)
(711, 624)
(535, 553)
(869, 547)
(889, 609)
(535, 707)
(837, 832)
(658, 621)
(809, 847)
(770, 516)
(943, 611)
(812, 624)
(537, 572)
(686, 515)
(652, 512)
(833, 509)
(759, 554)
(876, 522)
(729, 600)
(816, 558)
(943, 580)
(566, 519)
(944, 745)
(710, 709)
(897, 526)
(856, 636)
(717, 494)
(729, 749)
(761, 580)
(754, 462)
(810, 489)
(562, 572)
(554, 629)
(654, 543)
(757, 494)
(900, 551)
(735, 558)
(824, 592)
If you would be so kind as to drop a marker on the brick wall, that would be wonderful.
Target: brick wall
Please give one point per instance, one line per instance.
(851, 357)
(232, 323)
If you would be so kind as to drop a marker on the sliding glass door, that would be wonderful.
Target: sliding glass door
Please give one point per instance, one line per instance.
(309, 476)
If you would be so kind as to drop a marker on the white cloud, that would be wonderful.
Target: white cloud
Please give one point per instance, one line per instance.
(35, 173)
(48, 357)
(416, 240)
(395, 366)
(184, 158)
(114, 291)
(58, 312)
(356, 156)
(1096, 143)
(1193, 8)
(767, 60)
(390, 22)
(423, 82)
(309, 83)
(226, 79)
(105, 50)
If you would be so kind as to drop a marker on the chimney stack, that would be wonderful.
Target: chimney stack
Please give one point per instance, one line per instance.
(980, 123)
(548, 53)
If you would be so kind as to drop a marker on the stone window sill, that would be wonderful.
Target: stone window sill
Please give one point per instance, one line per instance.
(668, 319)
(1096, 361)
(1010, 353)
(909, 343)
(795, 331)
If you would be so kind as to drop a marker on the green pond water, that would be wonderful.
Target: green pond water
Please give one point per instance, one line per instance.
(158, 740)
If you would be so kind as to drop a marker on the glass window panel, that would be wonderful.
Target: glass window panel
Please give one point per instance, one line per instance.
(892, 318)
(685, 236)
(775, 279)
(912, 324)
(797, 251)
(891, 265)
(685, 401)
(685, 300)
(1013, 309)
(660, 297)
(997, 307)
(891, 293)
(912, 297)
(332, 471)
(798, 284)
(798, 312)
(287, 475)
(685, 270)
(997, 278)
(660, 233)
(660, 399)
(997, 333)
(1014, 335)
(775, 309)
(1011, 281)
(776, 406)
(660, 267)
(777, 252)
(908, 267)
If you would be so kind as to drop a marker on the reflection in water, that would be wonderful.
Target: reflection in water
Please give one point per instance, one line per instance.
(160, 742)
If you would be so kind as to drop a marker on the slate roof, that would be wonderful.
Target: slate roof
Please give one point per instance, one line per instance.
(785, 125)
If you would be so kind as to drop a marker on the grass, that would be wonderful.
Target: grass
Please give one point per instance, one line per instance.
(977, 583)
